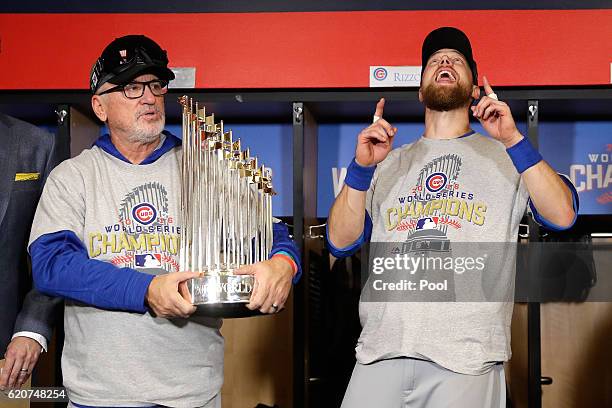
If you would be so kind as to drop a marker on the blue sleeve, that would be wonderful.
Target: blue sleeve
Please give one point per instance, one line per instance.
(282, 242)
(549, 225)
(61, 267)
(365, 236)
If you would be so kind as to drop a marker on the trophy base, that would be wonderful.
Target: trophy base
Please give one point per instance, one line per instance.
(222, 295)
(226, 310)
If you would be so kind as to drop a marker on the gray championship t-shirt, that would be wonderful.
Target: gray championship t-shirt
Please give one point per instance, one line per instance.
(128, 215)
(445, 194)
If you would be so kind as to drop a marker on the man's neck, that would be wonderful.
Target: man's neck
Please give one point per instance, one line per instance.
(135, 152)
(447, 124)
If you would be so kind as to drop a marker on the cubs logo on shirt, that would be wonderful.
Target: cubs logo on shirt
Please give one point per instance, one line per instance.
(436, 182)
(144, 213)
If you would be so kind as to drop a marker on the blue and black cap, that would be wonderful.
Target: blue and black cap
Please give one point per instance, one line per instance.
(128, 57)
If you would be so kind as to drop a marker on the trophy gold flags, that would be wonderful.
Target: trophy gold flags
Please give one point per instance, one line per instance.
(226, 213)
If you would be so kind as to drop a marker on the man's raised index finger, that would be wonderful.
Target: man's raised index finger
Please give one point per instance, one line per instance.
(380, 106)
(487, 86)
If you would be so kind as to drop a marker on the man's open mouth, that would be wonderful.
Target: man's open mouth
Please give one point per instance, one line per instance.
(445, 75)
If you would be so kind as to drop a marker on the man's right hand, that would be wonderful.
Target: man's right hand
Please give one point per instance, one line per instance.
(376, 141)
(167, 295)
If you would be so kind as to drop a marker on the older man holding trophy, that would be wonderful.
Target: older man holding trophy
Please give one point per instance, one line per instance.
(151, 239)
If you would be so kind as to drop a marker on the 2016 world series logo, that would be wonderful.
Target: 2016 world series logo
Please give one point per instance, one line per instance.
(436, 202)
(145, 236)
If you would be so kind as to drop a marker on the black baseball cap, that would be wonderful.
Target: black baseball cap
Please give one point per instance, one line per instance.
(448, 37)
(128, 57)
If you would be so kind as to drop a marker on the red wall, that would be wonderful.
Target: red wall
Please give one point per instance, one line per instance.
(302, 50)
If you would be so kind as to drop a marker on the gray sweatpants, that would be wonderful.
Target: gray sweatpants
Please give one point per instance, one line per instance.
(412, 383)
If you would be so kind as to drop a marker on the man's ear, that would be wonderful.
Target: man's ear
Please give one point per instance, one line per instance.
(475, 92)
(98, 107)
(420, 96)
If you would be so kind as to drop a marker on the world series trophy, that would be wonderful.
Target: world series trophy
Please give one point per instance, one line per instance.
(226, 214)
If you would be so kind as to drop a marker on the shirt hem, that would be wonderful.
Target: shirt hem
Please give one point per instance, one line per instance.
(486, 367)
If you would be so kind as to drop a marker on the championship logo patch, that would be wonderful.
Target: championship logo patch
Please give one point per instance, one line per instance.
(436, 182)
(427, 223)
(149, 260)
(144, 213)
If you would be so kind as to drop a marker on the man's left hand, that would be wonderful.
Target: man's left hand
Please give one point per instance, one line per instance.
(272, 284)
(496, 117)
(21, 356)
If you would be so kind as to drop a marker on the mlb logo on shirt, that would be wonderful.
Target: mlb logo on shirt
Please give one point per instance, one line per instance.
(149, 260)
(427, 223)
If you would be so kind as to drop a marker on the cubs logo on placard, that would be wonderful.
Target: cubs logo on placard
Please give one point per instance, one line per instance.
(380, 74)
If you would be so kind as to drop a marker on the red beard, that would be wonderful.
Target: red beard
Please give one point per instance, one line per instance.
(444, 98)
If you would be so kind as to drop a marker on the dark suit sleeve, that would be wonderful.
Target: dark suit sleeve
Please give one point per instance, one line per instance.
(58, 152)
(40, 312)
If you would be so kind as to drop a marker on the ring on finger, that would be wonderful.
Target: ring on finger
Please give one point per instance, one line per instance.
(493, 95)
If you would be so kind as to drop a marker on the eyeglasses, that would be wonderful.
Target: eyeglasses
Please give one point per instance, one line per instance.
(135, 90)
